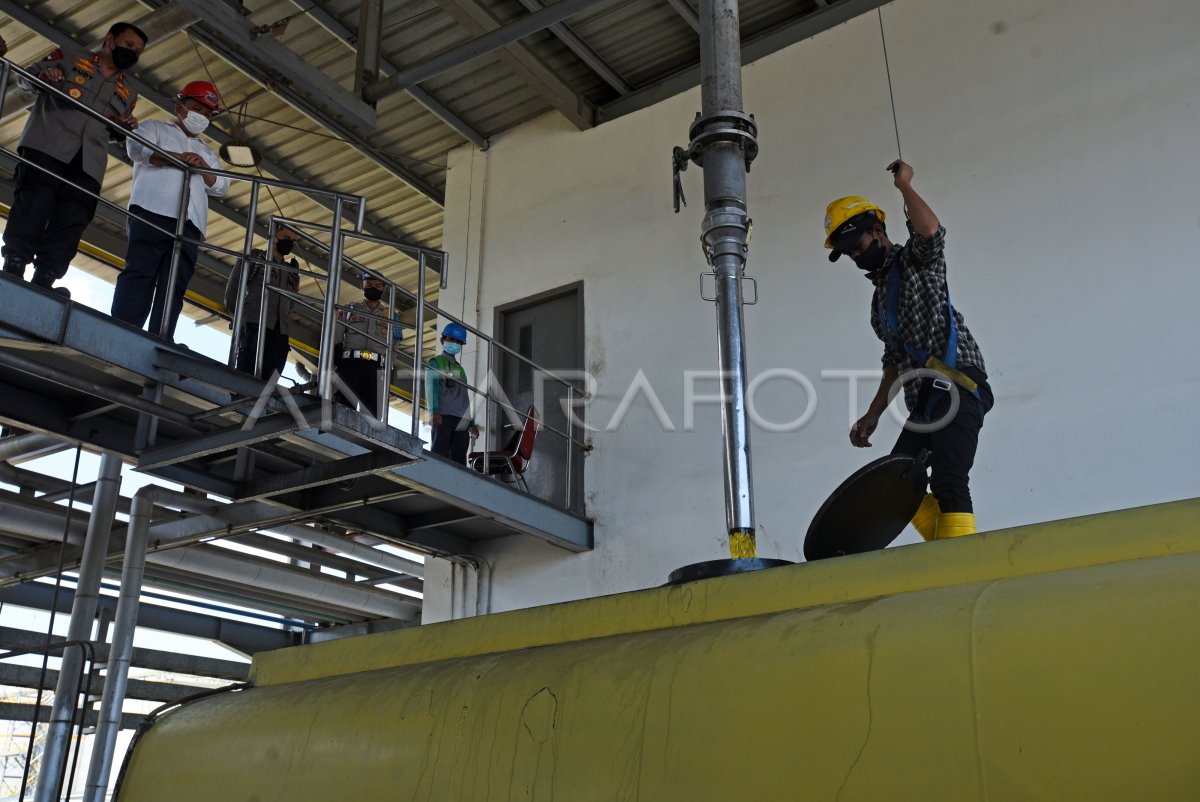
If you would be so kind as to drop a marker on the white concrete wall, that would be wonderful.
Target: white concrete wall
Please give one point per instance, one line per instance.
(1057, 142)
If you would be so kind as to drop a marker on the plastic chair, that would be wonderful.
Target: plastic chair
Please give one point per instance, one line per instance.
(508, 464)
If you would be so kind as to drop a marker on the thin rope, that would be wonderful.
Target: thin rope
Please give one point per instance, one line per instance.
(888, 68)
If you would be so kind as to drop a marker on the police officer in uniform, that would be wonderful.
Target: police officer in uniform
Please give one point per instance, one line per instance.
(48, 216)
(359, 358)
(279, 308)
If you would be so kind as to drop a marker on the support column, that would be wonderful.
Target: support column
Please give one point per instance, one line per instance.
(368, 56)
(83, 614)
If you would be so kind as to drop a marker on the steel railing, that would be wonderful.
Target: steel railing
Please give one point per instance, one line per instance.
(413, 356)
(333, 243)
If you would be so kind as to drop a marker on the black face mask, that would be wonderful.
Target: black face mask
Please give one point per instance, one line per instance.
(284, 246)
(373, 293)
(871, 260)
(124, 57)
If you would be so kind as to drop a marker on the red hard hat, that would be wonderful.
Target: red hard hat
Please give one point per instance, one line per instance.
(202, 92)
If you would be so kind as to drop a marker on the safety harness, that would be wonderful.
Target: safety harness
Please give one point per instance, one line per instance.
(889, 315)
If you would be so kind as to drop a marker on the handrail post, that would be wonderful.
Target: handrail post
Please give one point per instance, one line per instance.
(239, 309)
(5, 67)
(325, 366)
(385, 391)
(487, 409)
(263, 312)
(361, 216)
(570, 489)
(176, 248)
(418, 348)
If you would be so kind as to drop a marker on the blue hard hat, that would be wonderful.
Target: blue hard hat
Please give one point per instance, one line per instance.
(455, 332)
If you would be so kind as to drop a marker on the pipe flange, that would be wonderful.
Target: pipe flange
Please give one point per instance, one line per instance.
(724, 126)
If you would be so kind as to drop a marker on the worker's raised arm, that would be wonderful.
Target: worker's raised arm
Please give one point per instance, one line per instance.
(924, 221)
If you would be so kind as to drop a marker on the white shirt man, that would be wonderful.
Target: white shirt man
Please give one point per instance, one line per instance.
(154, 204)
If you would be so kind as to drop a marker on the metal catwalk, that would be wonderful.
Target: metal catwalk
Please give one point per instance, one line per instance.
(75, 373)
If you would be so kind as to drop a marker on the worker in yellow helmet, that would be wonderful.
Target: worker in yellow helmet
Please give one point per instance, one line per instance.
(921, 331)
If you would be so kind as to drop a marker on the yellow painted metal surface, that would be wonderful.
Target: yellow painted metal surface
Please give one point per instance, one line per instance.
(1046, 663)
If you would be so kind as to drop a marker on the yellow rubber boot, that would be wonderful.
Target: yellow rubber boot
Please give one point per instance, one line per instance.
(955, 524)
(926, 518)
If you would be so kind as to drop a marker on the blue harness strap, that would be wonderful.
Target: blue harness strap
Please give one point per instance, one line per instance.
(889, 316)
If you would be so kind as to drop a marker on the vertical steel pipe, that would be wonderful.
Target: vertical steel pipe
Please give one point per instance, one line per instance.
(725, 233)
(327, 359)
(83, 614)
(133, 570)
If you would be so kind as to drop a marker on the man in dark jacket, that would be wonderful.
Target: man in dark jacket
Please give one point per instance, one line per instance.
(275, 338)
(48, 216)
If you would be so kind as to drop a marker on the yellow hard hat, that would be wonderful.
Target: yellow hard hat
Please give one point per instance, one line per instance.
(843, 209)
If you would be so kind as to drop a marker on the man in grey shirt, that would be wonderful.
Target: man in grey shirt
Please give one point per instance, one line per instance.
(48, 216)
(279, 308)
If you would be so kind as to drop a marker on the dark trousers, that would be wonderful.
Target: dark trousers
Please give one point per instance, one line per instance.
(142, 285)
(362, 378)
(275, 351)
(48, 217)
(451, 439)
(953, 444)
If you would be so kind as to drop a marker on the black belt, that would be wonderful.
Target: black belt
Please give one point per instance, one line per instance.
(366, 356)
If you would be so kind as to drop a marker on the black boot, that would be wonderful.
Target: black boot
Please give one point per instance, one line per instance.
(15, 266)
(44, 280)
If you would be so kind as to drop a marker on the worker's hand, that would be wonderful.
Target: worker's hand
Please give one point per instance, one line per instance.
(903, 173)
(51, 75)
(128, 122)
(861, 431)
(193, 159)
(435, 419)
(473, 431)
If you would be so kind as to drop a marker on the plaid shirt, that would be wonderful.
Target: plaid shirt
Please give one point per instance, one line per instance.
(921, 311)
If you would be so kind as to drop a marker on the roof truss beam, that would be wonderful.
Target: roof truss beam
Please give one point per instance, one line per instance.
(387, 68)
(489, 42)
(521, 60)
(810, 24)
(583, 50)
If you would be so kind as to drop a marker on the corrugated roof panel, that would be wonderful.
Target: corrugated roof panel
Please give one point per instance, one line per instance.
(643, 42)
